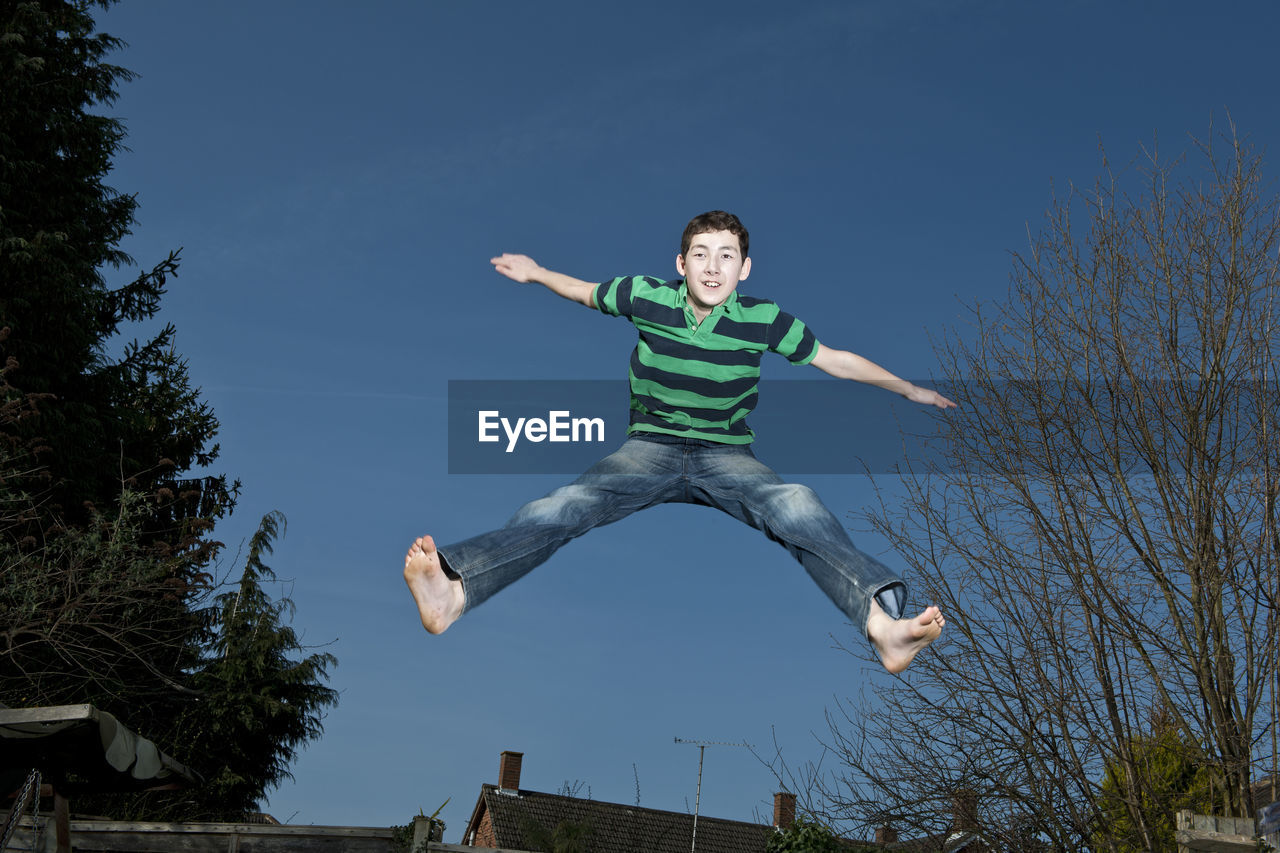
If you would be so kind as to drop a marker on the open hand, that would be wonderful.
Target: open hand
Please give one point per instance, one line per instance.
(521, 268)
(929, 397)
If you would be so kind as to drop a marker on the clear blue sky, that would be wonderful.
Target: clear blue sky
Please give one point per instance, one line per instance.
(339, 175)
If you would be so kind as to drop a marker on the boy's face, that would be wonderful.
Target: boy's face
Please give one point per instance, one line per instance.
(712, 268)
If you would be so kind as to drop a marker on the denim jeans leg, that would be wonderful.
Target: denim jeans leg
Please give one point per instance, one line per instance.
(733, 480)
(637, 475)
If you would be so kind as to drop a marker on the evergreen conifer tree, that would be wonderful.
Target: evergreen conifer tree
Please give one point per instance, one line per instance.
(106, 509)
(82, 427)
(262, 692)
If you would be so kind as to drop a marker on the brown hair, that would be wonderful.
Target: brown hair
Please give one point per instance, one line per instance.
(714, 220)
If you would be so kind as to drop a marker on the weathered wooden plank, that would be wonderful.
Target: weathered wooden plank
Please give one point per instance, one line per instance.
(190, 843)
(62, 822)
(47, 714)
(224, 828)
(118, 837)
(440, 847)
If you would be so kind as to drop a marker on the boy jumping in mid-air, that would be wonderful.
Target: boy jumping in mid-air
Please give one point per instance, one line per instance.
(694, 375)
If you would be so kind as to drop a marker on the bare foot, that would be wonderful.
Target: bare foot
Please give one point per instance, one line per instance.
(898, 641)
(439, 597)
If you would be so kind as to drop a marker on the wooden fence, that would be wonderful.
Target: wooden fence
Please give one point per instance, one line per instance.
(1197, 832)
(96, 836)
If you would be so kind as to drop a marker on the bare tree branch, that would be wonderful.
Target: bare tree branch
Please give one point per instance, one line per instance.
(1103, 535)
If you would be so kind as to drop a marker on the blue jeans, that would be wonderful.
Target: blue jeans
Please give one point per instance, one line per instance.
(658, 469)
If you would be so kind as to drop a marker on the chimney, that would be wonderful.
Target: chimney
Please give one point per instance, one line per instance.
(886, 834)
(964, 811)
(784, 809)
(509, 771)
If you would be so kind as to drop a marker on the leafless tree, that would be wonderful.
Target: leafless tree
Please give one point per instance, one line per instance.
(1101, 531)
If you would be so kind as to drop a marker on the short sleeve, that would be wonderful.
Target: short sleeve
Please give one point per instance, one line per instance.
(613, 297)
(791, 338)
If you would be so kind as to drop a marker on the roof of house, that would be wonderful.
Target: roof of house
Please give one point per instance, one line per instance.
(946, 842)
(615, 828)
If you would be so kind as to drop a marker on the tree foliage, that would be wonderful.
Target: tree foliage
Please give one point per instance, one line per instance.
(567, 836)
(1175, 778)
(98, 418)
(1103, 537)
(106, 506)
(94, 448)
(259, 691)
(806, 836)
(87, 613)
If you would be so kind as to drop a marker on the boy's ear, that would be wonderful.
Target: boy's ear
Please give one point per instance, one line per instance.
(746, 269)
(680, 263)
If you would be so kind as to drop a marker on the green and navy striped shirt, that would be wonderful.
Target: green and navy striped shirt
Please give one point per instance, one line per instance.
(699, 380)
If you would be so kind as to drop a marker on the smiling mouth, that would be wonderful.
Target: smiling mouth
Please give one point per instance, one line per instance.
(711, 284)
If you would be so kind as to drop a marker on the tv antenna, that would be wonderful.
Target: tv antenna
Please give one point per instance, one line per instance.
(697, 797)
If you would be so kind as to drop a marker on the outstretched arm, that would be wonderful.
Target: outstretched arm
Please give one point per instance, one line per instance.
(846, 365)
(523, 269)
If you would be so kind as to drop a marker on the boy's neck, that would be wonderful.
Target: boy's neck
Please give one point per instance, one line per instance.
(700, 314)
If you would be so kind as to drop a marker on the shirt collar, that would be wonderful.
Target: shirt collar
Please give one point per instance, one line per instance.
(722, 308)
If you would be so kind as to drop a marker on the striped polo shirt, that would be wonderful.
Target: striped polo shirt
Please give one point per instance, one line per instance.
(699, 380)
